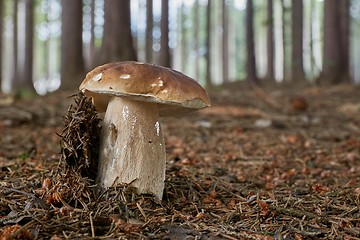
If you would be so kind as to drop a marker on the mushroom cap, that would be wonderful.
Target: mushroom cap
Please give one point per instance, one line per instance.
(173, 91)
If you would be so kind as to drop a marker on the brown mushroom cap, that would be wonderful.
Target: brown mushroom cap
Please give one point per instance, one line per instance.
(173, 91)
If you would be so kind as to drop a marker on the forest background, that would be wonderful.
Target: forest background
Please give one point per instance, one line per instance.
(51, 44)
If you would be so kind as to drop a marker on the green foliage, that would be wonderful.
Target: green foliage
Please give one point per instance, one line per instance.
(24, 156)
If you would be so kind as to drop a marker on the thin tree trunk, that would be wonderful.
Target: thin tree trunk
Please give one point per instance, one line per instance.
(311, 43)
(184, 52)
(1, 37)
(92, 37)
(225, 41)
(22, 75)
(72, 63)
(297, 67)
(47, 44)
(345, 35)
(251, 63)
(164, 39)
(196, 37)
(270, 42)
(15, 76)
(332, 68)
(284, 40)
(149, 31)
(208, 45)
(27, 78)
(117, 41)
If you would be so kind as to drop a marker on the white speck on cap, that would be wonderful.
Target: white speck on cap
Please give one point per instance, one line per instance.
(125, 76)
(97, 77)
(159, 84)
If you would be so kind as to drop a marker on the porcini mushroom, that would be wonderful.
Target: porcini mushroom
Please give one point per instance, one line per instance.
(134, 95)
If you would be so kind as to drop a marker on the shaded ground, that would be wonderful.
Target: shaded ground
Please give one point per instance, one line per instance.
(255, 165)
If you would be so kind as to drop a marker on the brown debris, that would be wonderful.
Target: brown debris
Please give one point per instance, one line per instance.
(298, 104)
(80, 137)
(12, 232)
(225, 180)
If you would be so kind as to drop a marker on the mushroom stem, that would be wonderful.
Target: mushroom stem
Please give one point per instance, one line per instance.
(132, 148)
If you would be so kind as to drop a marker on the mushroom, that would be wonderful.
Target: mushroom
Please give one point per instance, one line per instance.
(134, 96)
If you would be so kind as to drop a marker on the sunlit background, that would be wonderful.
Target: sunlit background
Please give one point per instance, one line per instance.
(186, 49)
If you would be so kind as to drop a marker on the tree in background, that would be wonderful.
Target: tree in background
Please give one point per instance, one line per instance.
(283, 13)
(183, 42)
(297, 66)
(164, 39)
(27, 75)
(250, 48)
(117, 40)
(196, 21)
(15, 73)
(149, 31)
(225, 40)
(72, 63)
(1, 37)
(22, 76)
(332, 64)
(92, 52)
(345, 38)
(208, 78)
(270, 42)
(311, 35)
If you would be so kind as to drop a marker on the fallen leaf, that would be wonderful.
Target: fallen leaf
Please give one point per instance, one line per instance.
(264, 207)
(320, 188)
(15, 232)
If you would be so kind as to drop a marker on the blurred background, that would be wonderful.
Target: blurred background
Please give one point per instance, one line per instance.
(48, 45)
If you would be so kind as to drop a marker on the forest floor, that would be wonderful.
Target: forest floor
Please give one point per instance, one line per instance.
(279, 163)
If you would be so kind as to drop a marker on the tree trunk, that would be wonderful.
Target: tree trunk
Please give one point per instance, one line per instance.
(15, 74)
(149, 31)
(117, 41)
(284, 39)
(225, 40)
(92, 37)
(22, 75)
(184, 51)
(297, 67)
(208, 45)
(1, 38)
(47, 51)
(270, 42)
(250, 61)
(332, 65)
(311, 43)
(196, 22)
(27, 78)
(345, 35)
(164, 39)
(72, 63)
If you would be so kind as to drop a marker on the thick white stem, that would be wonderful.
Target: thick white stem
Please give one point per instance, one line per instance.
(132, 148)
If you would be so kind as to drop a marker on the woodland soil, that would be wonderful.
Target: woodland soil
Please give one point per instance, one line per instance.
(274, 163)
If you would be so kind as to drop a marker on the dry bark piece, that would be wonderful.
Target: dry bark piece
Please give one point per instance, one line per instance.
(134, 96)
